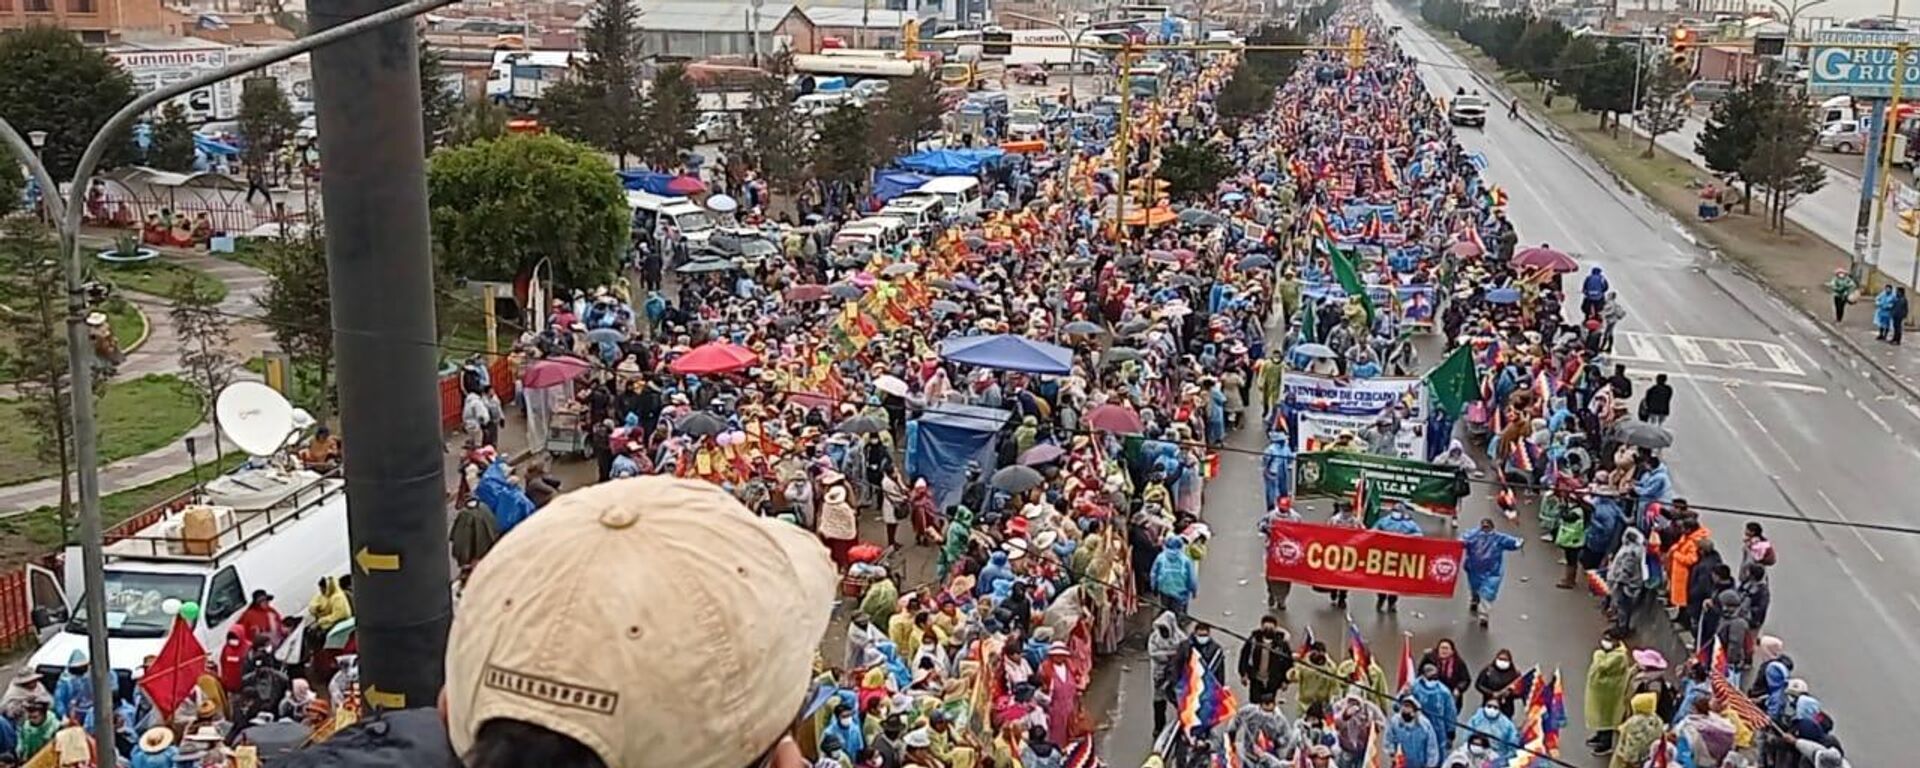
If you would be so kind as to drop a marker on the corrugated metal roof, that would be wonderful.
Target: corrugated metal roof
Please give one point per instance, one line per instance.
(878, 18)
(708, 15)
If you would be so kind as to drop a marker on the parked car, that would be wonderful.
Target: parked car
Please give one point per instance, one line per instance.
(710, 127)
(1843, 136)
(1708, 91)
(1028, 74)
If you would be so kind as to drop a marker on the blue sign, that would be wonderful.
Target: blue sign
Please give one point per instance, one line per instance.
(1838, 69)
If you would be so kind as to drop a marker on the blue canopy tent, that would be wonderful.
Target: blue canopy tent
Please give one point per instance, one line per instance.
(214, 148)
(1007, 352)
(652, 182)
(950, 162)
(888, 185)
(944, 439)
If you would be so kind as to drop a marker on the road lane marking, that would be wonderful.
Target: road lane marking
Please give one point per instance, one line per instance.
(1782, 360)
(1856, 531)
(1647, 374)
(1915, 601)
(1761, 425)
(1642, 345)
(1884, 426)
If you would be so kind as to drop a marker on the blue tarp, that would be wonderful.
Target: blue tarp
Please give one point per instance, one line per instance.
(1007, 352)
(212, 148)
(944, 439)
(646, 181)
(950, 162)
(888, 185)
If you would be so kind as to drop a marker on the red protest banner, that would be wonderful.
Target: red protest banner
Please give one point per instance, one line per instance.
(1331, 557)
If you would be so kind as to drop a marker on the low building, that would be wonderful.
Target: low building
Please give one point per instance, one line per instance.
(95, 21)
(699, 29)
(860, 27)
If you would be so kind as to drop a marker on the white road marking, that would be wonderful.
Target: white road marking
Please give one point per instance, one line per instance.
(1856, 531)
(1915, 601)
(1735, 353)
(1782, 360)
(1646, 374)
(1641, 344)
(1761, 424)
(1884, 426)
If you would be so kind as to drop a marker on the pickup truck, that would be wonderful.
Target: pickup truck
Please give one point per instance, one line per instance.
(1468, 110)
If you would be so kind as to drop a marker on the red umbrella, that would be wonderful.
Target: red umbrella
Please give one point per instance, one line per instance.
(685, 185)
(1114, 418)
(554, 371)
(1546, 258)
(718, 357)
(175, 669)
(806, 292)
(1467, 249)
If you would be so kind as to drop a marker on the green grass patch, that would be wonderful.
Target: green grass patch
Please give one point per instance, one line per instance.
(39, 530)
(129, 323)
(135, 417)
(159, 277)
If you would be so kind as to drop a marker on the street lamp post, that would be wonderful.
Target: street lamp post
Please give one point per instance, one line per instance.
(66, 215)
(39, 141)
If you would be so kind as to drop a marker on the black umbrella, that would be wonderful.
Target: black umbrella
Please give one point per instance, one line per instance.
(1083, 327)
(700, 423)
(1129, 260)
(1640, 434)
(901, 268)
(704, 266)
(845, 291)
(944, 307)
(1017, 478)
(1132, 327)
(1122, 354)
(861, 425)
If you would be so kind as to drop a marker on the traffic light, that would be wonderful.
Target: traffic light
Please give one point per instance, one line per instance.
(1683, 42)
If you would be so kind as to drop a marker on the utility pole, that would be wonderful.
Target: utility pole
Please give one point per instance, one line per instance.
(380, 270)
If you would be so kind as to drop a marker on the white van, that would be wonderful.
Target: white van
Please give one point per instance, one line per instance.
(285, 548)
(651, 214)
(960, 194)
(875, 232)
(916, 210)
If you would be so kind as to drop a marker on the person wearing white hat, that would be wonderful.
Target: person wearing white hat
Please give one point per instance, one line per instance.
(667, 587)
(156, 749)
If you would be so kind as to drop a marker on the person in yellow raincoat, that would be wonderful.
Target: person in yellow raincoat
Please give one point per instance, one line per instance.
(329, 606)
(1319, 680)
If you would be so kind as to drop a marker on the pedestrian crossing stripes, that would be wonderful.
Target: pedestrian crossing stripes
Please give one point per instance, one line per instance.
(1749, 355)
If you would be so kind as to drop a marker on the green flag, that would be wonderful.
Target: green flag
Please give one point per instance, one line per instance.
(1349, 279)
(1453, 382)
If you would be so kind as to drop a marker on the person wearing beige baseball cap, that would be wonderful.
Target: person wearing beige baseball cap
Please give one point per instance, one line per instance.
(645, 621)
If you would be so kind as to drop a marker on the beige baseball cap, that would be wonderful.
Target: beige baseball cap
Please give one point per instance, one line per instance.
(652, 619)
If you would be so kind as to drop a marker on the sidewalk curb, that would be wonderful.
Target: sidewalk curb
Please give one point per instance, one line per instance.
(146, 329)
(1689, 227)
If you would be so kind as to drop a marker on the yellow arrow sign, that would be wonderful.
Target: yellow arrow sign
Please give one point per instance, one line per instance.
(385, 699)
(372, 561)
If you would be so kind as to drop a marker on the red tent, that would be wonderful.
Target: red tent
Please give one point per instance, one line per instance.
(718, 357)
(175, 669)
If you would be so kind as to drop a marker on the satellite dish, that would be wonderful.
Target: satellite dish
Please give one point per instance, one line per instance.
(254, 416)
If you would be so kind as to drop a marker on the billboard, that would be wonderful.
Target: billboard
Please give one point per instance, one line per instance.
(1838, 69)
(154, 69)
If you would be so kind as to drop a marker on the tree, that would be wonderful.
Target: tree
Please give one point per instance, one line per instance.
(476, 119)
(1539, 46)
(842, 155)
(298, 307)
(205, 341)
(910, 109)
(1574, 66)
(1785, 129)
(1663, 109)
(1193, 169)
(170, 147)
(499, 207)
(11, 185)
(266, 121)
(33, 318)
(602, 104)
(438, 103)
(1245, 95)
(671, 111)
(1608, 88)
(1731, 132)
(772, 138)
(51, 82)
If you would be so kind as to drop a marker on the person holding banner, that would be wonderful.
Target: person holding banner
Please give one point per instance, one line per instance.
(1395, 521)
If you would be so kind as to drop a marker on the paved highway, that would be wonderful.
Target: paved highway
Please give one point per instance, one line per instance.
(1769, 417)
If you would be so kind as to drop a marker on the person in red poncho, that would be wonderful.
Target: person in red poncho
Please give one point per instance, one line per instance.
(261, 618)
